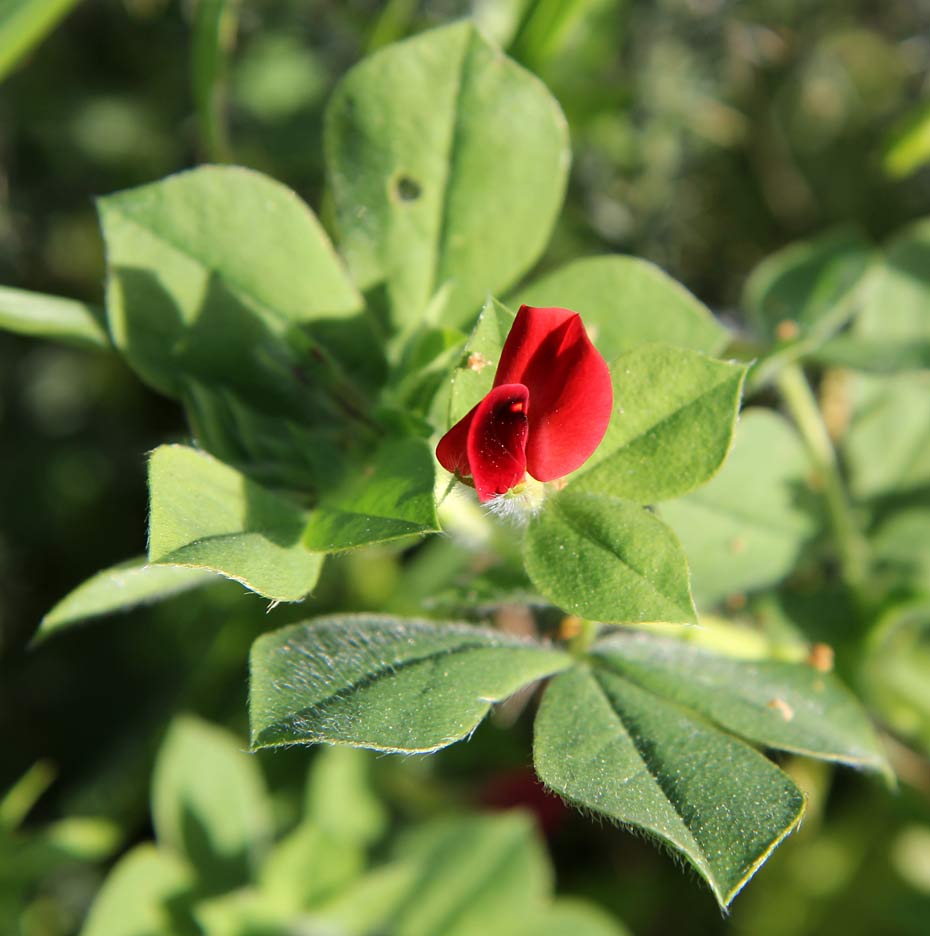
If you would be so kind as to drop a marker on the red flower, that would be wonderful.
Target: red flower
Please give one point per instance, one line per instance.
(546, 413)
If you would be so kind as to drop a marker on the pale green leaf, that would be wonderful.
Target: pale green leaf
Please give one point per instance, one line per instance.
(674, 413)
(747, 527)
(907, 146)
(24, 24)
(649, 763)
(385, 683)
(136, 898)
(626, 302)
(896, 671)
(607, 560)
(387, 497)
(901, 544)
(52, 317)
(473, 378)
(788, 706)
(204, 514)
(811, 288)
(892, 332)
(208, 270)
(569, 916)
(447, 163)
(209, 803)
(119, 588)
(887, 444)
(478, 876)
(339, 797)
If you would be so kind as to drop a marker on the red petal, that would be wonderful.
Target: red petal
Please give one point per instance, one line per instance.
(452, 450)
(497, 439)
(549, 352)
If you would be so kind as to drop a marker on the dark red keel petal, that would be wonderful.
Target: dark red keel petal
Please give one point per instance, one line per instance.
(549, 352)
(497, 440)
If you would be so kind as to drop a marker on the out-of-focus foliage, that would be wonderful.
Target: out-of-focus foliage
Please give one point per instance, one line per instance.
(705, 136)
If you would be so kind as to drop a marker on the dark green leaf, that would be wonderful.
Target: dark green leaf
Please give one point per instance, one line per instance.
(607, 560)
(204, 514)
(385, 683)
(674, 413)
(447, 164)
(626, 302)
(650, 763)
(387, 497)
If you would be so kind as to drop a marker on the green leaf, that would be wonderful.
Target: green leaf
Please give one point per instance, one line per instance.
(385, 683)
(892, 332)
(626, 302)
(204, 514)
(812, 287)
(54, 318)
(473, 378)
(209, 803)
(674, 413)
(747, 527)
(389, 496)
(137, 897)
(339, 797)
(895, 671)
(788, 706)
(478, 876)
(569, 916)
(208, 270)
(120, 588)
(887, 444)
(907, 146)
(652, 764)
(608, 560)
(447, 163)
(902, 545)
(24, 24)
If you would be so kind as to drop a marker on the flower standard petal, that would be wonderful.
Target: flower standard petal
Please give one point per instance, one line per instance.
(569, 382)
(497, 436)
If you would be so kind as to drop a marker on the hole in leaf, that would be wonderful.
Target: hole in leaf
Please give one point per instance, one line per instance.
(406, 188)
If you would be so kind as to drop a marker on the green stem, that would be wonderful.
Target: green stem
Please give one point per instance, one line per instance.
(802, 405)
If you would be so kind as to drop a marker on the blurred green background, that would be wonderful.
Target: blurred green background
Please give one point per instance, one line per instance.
(706, 134)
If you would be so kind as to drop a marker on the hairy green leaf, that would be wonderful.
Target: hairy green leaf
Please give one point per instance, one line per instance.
(674, 413)
(746, 528)
(652, 764)
(626, 302)
(474, 376)
(788, 706)
(448, 164)
(607, 560)
(204, 514)
(385, 683)
(120, 588)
